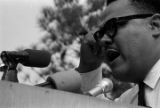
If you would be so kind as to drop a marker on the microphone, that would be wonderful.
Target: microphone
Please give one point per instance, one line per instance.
(28, 57)
(104, 86)
(65, 81)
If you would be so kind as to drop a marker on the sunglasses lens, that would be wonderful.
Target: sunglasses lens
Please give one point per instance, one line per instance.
(110, 28)
(98, 35)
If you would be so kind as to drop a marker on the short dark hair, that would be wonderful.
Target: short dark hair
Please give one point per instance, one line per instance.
(141, 5)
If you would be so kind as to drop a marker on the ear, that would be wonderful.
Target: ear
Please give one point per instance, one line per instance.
(155, 25)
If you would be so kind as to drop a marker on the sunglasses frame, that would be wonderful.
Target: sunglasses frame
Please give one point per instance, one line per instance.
(113, 23)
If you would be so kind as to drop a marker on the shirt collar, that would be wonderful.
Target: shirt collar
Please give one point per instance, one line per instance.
(153, 75)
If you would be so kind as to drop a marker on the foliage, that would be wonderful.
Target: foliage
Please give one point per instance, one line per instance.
(62, 25)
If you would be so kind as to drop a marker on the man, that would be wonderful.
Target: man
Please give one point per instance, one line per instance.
(129, 41)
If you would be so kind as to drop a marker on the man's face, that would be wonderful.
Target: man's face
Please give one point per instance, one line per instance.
(132, 40)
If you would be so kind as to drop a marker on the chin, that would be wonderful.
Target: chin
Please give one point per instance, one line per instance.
(125, 76)
(122, 75)
(123, 71)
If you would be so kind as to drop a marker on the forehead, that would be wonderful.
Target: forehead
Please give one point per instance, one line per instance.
(120, 8)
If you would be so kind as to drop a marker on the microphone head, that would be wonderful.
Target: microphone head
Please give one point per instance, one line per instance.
(106, 84)
(37, 58)
(67, 80)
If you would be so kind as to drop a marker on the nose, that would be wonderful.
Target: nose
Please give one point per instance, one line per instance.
(105, 40)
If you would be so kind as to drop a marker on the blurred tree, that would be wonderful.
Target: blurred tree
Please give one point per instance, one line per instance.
(62, 25)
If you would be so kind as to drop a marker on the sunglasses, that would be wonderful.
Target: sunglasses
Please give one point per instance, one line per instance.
(111, 26)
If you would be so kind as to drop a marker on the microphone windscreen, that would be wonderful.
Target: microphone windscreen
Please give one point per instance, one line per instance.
(67, 80)
(37, 58)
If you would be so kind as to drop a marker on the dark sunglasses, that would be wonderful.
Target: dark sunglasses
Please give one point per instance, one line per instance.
(111, 26)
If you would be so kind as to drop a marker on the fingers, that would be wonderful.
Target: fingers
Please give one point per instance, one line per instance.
(91, 42)
(88, 38)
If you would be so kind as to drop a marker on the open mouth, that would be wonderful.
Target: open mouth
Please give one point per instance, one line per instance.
(112, 54)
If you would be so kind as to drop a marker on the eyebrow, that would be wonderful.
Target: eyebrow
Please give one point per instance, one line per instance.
(110, 1)
(102, 23)
(104, 20)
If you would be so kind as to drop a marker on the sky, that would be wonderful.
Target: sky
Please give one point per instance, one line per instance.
(18, 22)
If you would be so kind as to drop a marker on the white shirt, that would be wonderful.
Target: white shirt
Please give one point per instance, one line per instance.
(152, 88)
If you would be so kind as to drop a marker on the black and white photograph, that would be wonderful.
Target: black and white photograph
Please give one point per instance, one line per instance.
(79, 53)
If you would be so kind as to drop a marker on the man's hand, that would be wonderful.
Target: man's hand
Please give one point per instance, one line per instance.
(90, 54)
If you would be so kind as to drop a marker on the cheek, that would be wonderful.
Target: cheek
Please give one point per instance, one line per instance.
(133, 43)
(126, 45)
(132, 40)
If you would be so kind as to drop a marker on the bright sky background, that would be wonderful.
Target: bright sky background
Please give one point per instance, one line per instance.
(18, 22)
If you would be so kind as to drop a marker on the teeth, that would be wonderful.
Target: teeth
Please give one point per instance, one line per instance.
(112, 54)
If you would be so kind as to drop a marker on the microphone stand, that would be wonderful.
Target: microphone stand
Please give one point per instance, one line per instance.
(9, 68)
